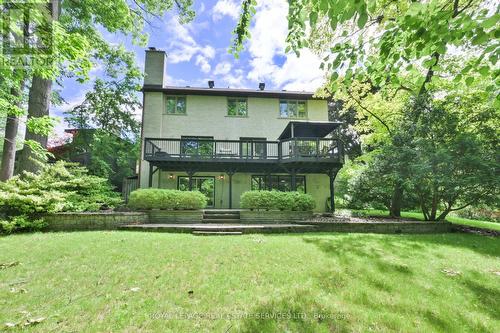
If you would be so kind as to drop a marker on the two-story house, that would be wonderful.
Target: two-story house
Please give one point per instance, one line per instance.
(224, 142)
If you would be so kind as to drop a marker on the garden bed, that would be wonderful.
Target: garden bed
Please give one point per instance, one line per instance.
(382, 225)
(274, 216)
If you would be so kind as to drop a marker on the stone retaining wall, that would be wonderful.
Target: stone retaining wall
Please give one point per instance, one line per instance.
(385, 228)
(93, 221)
(175, 216)
(273, 216)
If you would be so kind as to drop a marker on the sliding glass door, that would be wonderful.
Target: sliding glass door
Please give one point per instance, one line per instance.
(205, 185)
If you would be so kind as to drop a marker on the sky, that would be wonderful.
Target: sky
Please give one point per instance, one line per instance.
(198, 52)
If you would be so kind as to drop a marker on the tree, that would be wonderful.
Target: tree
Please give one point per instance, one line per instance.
(455, 164)
(11, 99)
(40, 93)
(444, 152)
(388, 38)
(108, 129)
(378, 112)
(372, 183)
(391, 45)
(11, 127)
(349, 135)
(77, 40)
(111, 106)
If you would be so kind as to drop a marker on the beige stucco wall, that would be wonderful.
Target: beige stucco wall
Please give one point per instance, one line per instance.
(317, 185)
(207, 116)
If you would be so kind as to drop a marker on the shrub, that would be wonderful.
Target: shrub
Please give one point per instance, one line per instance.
(302, 202)
(21, 223)
(482, 212)
(57, 187)
(274, 200)
(153, 198)
(191, 200)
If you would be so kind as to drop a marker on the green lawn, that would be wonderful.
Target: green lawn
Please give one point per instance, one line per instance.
(134, 282)
(419, 216)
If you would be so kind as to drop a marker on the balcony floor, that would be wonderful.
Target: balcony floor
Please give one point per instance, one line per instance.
(239, 165)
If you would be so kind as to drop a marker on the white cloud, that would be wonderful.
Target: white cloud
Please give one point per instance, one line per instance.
(208, 51)
(203, 63)
(269, 33)
(235, 79)
(172, 81)
(225, 8)
(183, 47)
(222, 68)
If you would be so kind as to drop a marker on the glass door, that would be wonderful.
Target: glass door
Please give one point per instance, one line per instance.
(205, 185)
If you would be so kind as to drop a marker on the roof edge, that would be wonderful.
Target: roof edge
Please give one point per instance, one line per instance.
(231, 92)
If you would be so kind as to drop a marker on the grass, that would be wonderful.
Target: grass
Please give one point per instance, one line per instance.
(135, 282)
(419, 216)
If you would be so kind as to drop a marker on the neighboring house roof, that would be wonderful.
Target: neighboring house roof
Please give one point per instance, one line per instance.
(230, 92)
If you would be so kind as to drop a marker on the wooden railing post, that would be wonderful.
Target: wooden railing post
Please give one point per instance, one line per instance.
(317, 148)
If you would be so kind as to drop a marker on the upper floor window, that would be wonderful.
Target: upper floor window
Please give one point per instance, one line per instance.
(237, 107)
(176, 104)
(293, 109)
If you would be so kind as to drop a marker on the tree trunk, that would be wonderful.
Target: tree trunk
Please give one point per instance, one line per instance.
(397, 199)
(11, 128)
(443, 215)
(9, 147)
(434, 207)
(38, 106)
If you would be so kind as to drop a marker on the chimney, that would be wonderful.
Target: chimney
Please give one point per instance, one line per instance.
(211, 84)
(155, 67)
(262, 85)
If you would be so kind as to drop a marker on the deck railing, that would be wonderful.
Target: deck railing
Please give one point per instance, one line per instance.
(305, 149)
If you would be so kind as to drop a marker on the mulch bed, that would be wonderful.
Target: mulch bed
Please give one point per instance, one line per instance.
(478, 231)
(323, 218)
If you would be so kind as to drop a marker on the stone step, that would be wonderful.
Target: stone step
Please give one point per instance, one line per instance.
(224, 220)
(218, 212)
(216, 233)
(221, 216)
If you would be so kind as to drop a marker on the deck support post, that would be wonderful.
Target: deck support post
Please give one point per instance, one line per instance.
(268, 181)
(150, 179)
(332, 174)
(230, 175)
(151, 173)
(294, 180)
(190, 180)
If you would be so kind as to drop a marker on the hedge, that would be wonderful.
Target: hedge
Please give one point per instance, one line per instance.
(275, 200)
(153, 198)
